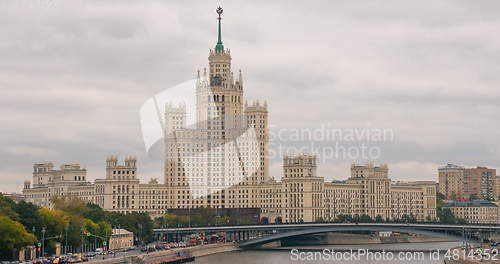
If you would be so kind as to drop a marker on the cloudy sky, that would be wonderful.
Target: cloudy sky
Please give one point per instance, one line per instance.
(73, 77)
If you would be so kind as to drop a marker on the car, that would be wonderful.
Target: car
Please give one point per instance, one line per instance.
(151, 249)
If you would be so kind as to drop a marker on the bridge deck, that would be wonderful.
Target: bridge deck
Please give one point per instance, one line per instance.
(438, 227)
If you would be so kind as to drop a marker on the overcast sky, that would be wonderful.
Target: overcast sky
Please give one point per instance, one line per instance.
(73, 76)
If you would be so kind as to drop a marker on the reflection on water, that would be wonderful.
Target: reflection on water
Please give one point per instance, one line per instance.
(285, 255)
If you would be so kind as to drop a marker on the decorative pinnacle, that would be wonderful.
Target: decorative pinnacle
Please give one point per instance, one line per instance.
(219, 48)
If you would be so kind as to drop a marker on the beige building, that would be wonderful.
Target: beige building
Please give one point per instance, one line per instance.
(451, 180)
(476, 212)
(119, 191)
(221, 161)
(457, 182)
(49, 182)
(120, 239)
(304, 196)
(497, 186)
(301, 195)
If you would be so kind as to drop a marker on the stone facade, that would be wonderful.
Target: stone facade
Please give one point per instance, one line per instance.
(456, 182)
(301, 195)
(49, 182)
(304, 196)
(476, 212)
(121, 239)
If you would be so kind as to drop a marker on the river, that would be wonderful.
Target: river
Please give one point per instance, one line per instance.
(373, 253)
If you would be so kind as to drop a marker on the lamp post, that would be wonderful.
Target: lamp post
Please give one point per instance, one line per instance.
(66, 239)
(33, 231)
(43, 241)
(106, 239)
(141, 235)
(81, 247)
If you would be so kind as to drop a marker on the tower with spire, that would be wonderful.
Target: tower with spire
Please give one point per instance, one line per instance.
(219, 47)
(227, 147)
(219, 94)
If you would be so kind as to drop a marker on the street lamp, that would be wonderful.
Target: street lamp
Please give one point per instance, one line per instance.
(66, 240)
(141, 235)
(81, 248)
(43, 241)
(33, 231)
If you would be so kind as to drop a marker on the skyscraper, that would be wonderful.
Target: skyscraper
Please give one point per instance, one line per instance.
(228, 144)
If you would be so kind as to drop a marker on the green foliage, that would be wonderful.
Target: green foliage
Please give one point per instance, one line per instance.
(66, 222)
(13, 236)
(70, 204)
(344, 218)
(365, 218)
(446, 216)
(6, 208)
(94, 213)
(408, 218)
(138, 223)
(54, 221)
(28, 214)
(200, 217)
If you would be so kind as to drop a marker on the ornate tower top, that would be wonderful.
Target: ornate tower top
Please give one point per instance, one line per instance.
(219, 48)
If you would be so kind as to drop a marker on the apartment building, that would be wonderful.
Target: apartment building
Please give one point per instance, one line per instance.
(457, 182)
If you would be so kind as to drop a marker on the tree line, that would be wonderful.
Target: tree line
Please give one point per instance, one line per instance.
(70, 222)
(201, 216)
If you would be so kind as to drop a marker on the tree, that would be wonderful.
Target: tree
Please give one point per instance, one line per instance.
(70, 204)
(94, 213)
(408, 218)
(446, 216)
(101, 229)
(379, 219)
(6, 208)
(170, 220)
(138, 223)
(13, 236)
(365, 218)
(28, 214)
(344, 218)
(320, 220)
(54, 221)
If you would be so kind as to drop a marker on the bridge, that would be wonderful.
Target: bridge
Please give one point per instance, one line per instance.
(256, 235)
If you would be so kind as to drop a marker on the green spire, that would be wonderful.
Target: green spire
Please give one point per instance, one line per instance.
(219, 48)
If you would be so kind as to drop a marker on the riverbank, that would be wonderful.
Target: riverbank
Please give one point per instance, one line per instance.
(159, 256)
(200, 251)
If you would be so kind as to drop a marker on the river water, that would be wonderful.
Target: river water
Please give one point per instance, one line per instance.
(373, 253)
